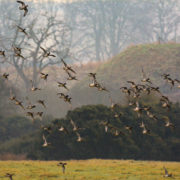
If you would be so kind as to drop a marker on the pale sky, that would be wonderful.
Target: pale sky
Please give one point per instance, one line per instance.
(50, 0)
(43, 0)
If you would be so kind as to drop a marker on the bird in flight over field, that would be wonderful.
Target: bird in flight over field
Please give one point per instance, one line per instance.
(67, 68)
(63, 129)
(5, 76)
(20, 29)
(44, 76)
(2, 53)
(79, 138)
(42, 103)
(71, 77)
(129, 128)
(62, 85)
(19, 103)
(17, 52)
(145, 130)
(9, 175)
(47, 53)
(47, 129)
(93, 75)
(106, 125)
(168, 123)
(63, 166)
(39, 114)
(166, 173)
(31, 114)
(45, 142)
(23, 7)
(33, 88)
(12, 96)
(75, 127)
(145, 79)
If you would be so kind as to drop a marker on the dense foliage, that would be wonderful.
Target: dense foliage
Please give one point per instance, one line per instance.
(5, 88)
(162, 144)
(13, 127)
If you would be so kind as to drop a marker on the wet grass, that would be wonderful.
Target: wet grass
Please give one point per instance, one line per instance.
(90, 170)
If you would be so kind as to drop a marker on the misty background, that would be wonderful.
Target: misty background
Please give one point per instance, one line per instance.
(80, 32)
(115, 39)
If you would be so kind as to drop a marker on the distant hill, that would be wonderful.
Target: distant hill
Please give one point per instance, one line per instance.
(113, 74)
(155, 59)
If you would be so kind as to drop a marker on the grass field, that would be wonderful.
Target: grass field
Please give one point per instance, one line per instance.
(89, 169)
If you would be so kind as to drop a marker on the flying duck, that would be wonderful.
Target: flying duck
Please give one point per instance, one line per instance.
(23, 7)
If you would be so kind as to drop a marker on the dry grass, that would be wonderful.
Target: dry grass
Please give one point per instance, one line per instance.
(90, 170)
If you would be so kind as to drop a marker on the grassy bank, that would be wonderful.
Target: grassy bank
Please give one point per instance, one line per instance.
(90, 169)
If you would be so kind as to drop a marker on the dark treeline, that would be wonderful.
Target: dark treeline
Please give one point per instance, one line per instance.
(163, 143)
(6, 108)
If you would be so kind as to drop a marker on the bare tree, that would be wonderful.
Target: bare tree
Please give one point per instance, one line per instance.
(43, 32)
(166, 20)
(141, 18)
(101, 28)
(118, 28)
(155, 20)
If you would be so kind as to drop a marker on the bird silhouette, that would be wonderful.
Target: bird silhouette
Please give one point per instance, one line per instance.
(39, 114)
(166, 173)
(33, 88)
(178, 82)
(94, 83)
(145, 130)
(75, 127)
(126, 90)
(62, 85)
(67, 67)
(79, 138)
(42, 102)
(45, 142)
(145, 79)
(31, 115)
(17, 52)
(9, 175)
(62, 164)
(168, 123)
(71, 77)
(44, 76)
(47, 129)
(47, 53)
(2, 53)
(129, 128)
(63, 129)
(20, 29)
(93, 75)
(23, 7)
(19, 103)
(5, 76)
(106, 125)
(12, 96)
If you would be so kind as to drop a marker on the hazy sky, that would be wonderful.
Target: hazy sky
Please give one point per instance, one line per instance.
(52, 0)
(44, 0)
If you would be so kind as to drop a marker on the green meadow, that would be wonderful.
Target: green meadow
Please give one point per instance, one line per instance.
(89, 169)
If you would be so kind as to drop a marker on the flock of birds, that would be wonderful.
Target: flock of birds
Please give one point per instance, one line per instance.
(133, 93)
